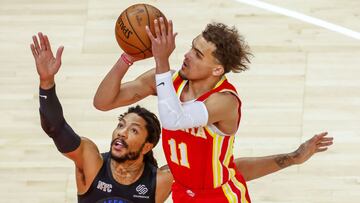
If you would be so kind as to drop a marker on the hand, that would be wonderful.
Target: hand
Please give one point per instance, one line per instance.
(163, 44)
(46, 64)
(318, 143)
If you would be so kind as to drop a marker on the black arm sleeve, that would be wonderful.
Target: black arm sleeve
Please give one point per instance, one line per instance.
(54, 124)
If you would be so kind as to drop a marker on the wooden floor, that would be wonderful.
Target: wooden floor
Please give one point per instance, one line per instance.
(303, 79)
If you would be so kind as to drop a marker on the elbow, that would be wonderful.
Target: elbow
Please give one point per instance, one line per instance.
(100, 105)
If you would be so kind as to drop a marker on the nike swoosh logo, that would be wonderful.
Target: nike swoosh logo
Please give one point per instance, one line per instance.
(162, 83)
(43, 96)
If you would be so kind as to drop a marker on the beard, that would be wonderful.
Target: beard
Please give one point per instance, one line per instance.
(128, 156)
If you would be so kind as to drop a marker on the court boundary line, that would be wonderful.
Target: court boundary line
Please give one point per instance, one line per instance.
(300, 16)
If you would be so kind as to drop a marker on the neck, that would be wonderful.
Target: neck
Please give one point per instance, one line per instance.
(196, 88)
(128, 172)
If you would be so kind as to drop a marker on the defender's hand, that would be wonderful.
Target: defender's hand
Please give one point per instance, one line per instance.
(46, 64)
(318, 143)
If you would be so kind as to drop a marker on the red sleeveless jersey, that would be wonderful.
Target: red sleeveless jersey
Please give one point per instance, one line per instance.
(201, 159)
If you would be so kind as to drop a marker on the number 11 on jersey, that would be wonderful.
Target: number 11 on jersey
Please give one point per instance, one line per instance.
(183, 153)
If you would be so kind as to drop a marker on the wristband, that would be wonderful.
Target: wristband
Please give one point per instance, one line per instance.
(127, 61)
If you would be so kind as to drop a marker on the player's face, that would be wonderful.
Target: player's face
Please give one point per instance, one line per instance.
(129, 138)
(199, 61)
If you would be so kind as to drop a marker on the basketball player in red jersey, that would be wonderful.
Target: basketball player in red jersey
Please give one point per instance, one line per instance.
(199, 110)
(200, 114)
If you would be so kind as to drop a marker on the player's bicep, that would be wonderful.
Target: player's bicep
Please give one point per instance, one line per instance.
(86, 154)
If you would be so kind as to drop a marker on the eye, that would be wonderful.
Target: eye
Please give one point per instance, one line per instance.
(133, 130)
(120, 125)
(198, 55)
(196, 52)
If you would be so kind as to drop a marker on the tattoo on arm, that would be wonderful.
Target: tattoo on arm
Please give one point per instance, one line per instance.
(283, 161)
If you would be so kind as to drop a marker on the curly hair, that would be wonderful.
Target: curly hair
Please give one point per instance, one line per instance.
(231, 50)
(152, 127)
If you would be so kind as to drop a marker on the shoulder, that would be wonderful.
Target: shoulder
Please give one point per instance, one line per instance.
(229, 99)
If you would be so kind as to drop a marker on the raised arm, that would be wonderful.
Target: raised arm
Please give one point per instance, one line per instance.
(113, 93)
(256, 167)
(81, 150)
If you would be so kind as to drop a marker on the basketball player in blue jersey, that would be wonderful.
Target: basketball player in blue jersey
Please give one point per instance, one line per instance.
(129, 172)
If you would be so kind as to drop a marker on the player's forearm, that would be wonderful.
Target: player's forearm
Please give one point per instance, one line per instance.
(53, 122)
(109, 88)
(256, 167)
(173, 115)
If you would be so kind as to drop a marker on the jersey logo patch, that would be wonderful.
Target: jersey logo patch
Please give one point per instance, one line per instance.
(104, 186)
(141, 190)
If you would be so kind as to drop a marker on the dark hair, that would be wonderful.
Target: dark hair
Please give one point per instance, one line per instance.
(152, 127)
(231, 50)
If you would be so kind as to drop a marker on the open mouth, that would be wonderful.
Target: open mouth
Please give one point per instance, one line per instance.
(119, 144)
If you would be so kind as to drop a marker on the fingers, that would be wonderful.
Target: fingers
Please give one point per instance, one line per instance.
(59, 53)
(318, 137)
(150, 35)
(321, 149)
(36, 44)
(44, 45)
(170, 28)
(47, 43)
(157, 29)
(58, 57)
(42, 41)
(35, 54)
(163, 29)
(324, 144)
(326, 139)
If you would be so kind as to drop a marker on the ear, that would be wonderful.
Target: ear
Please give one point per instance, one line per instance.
(218, 70)
(147, 147)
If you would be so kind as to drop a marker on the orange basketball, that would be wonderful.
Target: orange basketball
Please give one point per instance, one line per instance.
(130, 29)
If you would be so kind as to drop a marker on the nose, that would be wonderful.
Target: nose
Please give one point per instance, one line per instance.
(187, 54)
(121, 132)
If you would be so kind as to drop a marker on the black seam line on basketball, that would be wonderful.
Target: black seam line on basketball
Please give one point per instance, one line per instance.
(126, 15)
(141, 51)
(134, 29)
(119, 37)
(148, 17)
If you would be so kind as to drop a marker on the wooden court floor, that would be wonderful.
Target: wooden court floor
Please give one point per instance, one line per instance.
(303, 79)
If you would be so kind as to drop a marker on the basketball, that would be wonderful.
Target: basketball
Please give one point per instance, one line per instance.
(130, 29)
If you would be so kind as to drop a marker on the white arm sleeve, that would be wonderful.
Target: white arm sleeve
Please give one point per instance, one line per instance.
(173, 115)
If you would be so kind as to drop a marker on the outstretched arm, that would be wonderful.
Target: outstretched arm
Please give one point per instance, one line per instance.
(52, 118)
(256, 167)
(51, 113)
